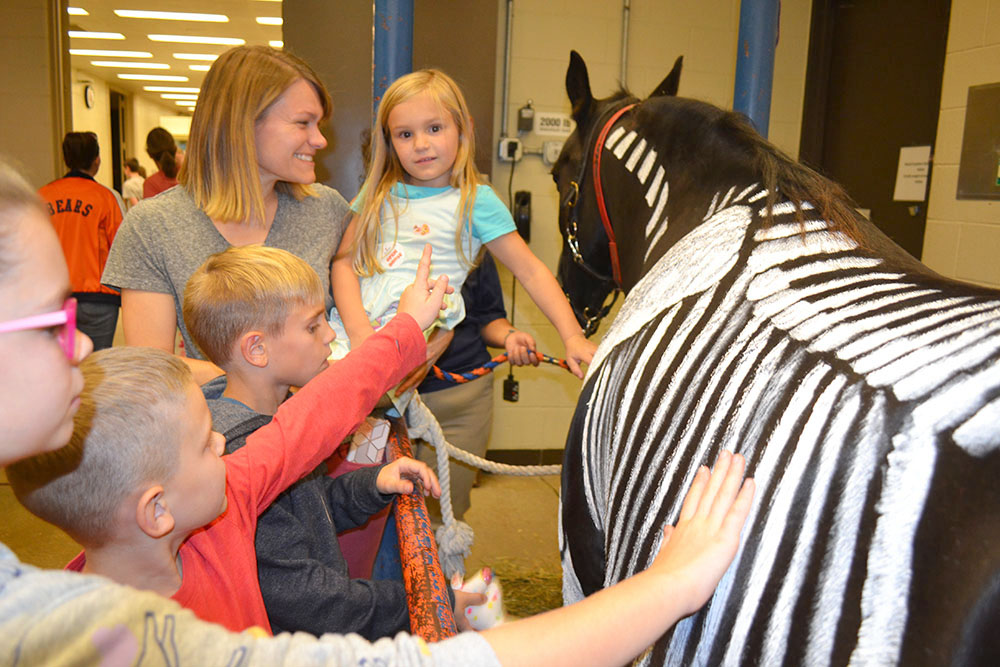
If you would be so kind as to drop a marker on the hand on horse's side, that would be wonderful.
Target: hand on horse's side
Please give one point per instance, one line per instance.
(579, 350)
(698, 550)
(424, 299)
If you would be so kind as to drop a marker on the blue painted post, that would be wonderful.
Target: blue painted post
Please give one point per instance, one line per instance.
(755, 60)
(393, 44)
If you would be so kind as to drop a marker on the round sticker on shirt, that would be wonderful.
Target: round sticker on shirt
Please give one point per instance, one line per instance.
(392, 255)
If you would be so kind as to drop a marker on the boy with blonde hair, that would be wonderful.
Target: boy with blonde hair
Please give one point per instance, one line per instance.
(258, 313)
(142, 486)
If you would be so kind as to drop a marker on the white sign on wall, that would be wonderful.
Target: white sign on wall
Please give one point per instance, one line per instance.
(553, 124)
(912, 173)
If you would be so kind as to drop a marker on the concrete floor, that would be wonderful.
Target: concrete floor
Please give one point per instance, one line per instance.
(514, 519)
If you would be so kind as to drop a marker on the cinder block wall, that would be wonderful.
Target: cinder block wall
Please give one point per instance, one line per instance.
(544, 31)
(963, 236)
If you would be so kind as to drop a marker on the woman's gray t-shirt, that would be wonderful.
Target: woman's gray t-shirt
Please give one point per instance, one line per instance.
(163, 240)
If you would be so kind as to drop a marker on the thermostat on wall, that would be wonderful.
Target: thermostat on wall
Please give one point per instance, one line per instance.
(88, 96)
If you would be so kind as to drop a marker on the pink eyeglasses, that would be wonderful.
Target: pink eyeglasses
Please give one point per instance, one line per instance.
(65, 318)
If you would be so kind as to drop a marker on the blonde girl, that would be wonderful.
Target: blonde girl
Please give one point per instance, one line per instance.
(422, 187)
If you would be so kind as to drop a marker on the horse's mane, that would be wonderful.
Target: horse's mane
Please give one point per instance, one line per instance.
(718, 137)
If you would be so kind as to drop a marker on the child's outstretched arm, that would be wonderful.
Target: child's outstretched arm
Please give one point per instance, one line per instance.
(614, 625)
(545, 292)
(347, 289)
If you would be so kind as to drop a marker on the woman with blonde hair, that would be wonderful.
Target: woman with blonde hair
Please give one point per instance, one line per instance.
(248, 177)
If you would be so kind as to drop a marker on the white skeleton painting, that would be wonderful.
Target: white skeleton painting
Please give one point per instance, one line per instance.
(765, 318)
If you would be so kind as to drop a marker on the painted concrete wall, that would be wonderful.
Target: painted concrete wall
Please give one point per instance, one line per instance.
(963, 236)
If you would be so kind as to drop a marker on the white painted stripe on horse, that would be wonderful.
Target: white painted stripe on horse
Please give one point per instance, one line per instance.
(775, 280)
(804, 401)
(757, 566)
(593, 472)
(843, 533)
(647, 166)
(884, 595)
(647, 403)
(978, 435)
(624, 483)
(771, 305)
(655, 240)
(873, 333)
(686, 268)
(633, 158)
(655, 185)
(862, 329)
(826, 308)
(745, 192)
(837, 329)
(759, 195)
(814, 244)
(613, 138)
(711, 207)
(725, 200)
(661, 202)
(625, 143)
(783, 229)
(785, 208)
(922, 367)
(897, 358)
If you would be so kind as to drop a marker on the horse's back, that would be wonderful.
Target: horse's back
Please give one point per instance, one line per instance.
(865, 395)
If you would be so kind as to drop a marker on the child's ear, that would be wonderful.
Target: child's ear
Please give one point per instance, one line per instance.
(253, 348)
(152, 513)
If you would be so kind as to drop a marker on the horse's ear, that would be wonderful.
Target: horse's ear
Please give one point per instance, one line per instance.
(670, 84)
(578, 87)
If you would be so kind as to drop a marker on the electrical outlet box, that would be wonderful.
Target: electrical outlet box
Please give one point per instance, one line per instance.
(511, 149)
(551, 151)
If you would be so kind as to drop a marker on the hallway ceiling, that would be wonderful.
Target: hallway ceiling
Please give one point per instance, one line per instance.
(242, 24)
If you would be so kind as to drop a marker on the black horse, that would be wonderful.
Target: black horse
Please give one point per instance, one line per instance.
(763, 315)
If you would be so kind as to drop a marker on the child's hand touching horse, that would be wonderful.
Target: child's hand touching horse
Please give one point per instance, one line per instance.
(617, 623)
(698, 550)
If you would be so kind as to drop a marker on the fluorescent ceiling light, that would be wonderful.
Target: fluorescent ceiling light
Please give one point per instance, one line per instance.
(269, 20)
(196, 56)
(276, 44)
(126, 63)
(171, 16)
(171, 89)
(152, 77)
(77, 11)
(85, 34)
(189, 39)
(184, 103)
(199, 68)
(110, 53)
(179, 96)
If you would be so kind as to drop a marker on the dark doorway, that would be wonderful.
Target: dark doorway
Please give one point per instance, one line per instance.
(117, 152)
(873, 86)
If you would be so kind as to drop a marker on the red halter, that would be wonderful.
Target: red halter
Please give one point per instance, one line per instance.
(616, 271)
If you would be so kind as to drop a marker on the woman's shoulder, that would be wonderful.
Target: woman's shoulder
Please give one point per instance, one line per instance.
(324, 197)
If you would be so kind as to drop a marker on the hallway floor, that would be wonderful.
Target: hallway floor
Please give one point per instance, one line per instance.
(514, 519)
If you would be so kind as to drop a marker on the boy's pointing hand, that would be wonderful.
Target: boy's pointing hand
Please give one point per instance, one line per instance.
(424, 299)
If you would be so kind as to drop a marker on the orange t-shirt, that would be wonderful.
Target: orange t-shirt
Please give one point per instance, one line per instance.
(86, 216)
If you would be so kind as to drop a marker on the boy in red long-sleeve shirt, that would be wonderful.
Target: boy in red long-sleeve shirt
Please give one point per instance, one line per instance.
(142, 485)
